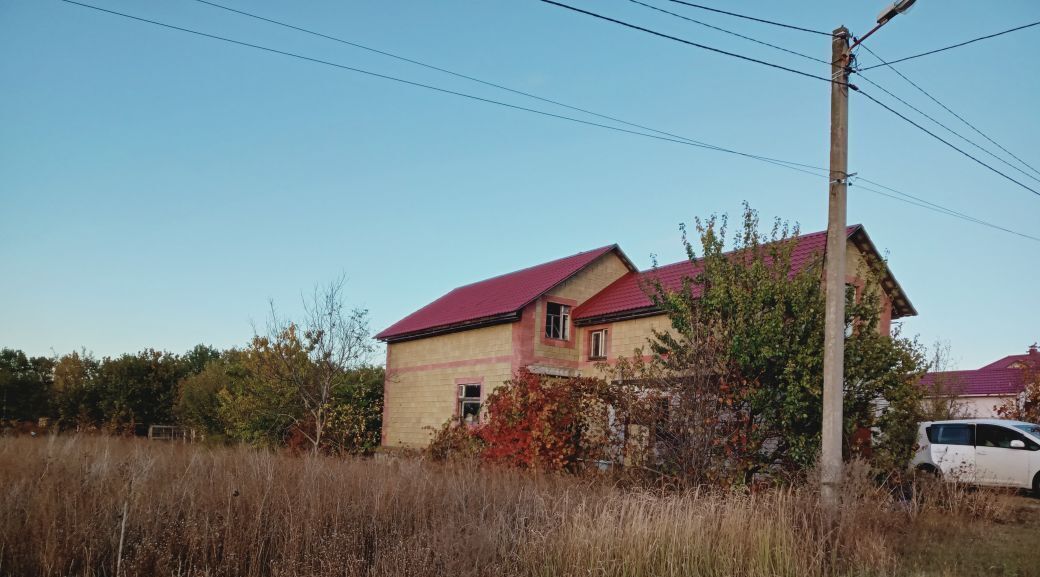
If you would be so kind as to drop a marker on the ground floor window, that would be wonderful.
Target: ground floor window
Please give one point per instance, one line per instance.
(469, 403)
(598, 344)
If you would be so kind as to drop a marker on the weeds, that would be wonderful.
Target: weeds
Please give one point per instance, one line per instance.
(87, 506)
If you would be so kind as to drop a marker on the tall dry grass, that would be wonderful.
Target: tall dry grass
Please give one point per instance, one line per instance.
(238, 512)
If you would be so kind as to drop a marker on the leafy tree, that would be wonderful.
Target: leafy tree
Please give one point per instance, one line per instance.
(76, 397)
(942, 396)
(772, 318)
(138, 389)
(198, 397)
(691, 409)
(25, 385)
(356, 422)
(297, 378)
(199, 357)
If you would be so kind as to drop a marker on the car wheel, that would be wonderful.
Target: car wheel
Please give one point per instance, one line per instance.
(928, 470)
(1036, 486)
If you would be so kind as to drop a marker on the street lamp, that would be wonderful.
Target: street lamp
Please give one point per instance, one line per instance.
(894, 10)
(887, 14)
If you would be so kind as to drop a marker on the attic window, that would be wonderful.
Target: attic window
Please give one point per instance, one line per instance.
(557, 321)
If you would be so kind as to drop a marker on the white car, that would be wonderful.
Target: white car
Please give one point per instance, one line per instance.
(991, 452)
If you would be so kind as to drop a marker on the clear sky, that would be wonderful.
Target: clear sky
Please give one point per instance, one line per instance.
(158, 188)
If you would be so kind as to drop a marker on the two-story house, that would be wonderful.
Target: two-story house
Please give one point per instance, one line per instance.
(559, 318)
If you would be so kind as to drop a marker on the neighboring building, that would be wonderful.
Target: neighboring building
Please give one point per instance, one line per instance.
(979, 392)
(559, 318)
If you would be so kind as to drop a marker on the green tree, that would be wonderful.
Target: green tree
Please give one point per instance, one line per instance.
(198, 397)
(297, 379)
(199, 357)
(773, 318)
(138, 389)
(356, 423)
(25, 386)
(76, 398)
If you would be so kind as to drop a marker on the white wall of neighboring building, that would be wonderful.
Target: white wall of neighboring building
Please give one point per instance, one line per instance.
(982, 407)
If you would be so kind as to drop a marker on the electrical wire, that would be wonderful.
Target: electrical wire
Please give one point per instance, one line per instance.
(944, 141)
(948, 129)
(688, 42)
(709, 9)
(498, 86)
(803, 168)
(958, 45)
(947, 109)
(725, 31)
(928, 205)
(672, 138)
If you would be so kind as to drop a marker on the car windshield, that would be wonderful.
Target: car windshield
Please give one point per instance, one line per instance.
(1029, 428)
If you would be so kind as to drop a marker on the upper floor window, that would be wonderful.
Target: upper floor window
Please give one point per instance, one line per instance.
(598, 344)
(557, 321)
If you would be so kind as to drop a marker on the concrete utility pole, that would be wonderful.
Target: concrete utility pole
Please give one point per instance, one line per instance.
(834, 331)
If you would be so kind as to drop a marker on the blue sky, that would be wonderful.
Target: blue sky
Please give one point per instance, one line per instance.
(158, 188)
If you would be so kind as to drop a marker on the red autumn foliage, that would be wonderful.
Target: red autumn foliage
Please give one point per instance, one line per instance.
(536, 421)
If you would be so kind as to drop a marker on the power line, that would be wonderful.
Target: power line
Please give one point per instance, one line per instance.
(670, 138)
(723, 30)
(928, 205)
(687, 42)
(943, 140)
(947, 128)
(947, 109)
(709, 9)
(937, 50)
(500, 86)
(803, 168)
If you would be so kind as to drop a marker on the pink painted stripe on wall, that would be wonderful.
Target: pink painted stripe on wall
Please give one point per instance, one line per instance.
(453, 364)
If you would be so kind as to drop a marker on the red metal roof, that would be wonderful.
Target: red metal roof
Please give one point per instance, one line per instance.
(627, 294)
(1009, 360)
(993, 379)
(500, 295)
(979, 382)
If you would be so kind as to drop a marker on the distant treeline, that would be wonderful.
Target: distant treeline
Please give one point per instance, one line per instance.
(220, 394)
(308, 385)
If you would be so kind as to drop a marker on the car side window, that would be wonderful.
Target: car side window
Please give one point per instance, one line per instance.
(959, 434)
(1001, 437)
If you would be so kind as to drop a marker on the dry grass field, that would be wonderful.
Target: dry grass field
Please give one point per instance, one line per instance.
(106, 507)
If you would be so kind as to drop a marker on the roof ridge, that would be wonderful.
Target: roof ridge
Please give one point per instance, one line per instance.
(601, 250)
(502, 294)
(850, 230)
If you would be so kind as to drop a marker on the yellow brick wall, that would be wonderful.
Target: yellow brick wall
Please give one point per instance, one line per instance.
(418, 401)
(417, 398)
(580, 288)
(856, 266)
(623, 338)
(479, 343)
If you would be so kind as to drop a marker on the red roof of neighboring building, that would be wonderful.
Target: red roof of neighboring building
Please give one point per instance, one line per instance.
(627, 293)
(496, 296)
(1008, 361)
(993, 379)
(978, 382)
